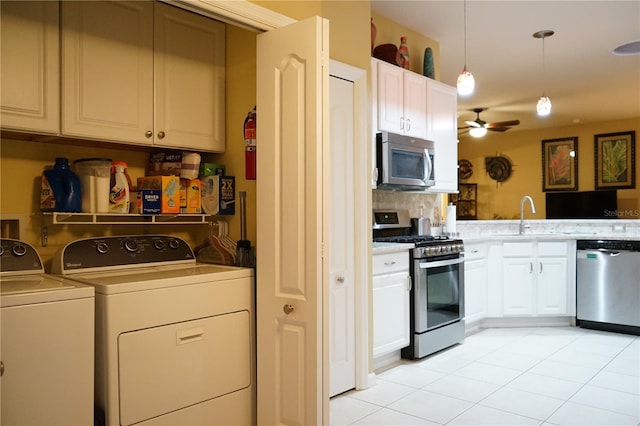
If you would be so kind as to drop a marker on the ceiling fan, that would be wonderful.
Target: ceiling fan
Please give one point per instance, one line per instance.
(479, 127)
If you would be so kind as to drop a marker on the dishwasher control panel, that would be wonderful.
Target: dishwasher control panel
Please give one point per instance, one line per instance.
(608, 245)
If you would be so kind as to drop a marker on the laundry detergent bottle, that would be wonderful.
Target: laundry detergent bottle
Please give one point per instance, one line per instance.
(119, 195)
(60, 189)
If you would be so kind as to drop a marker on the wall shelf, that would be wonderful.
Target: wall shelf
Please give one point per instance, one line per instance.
(60, 218)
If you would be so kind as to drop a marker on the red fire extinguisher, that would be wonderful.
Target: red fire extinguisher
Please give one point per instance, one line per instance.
(250, 145)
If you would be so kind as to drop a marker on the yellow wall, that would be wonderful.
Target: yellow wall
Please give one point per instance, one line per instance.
(524, 149)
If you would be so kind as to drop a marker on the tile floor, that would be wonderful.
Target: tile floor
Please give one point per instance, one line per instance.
(507, 376)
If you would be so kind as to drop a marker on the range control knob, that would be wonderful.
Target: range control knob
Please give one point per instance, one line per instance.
(174, 244)
(102, 248)
(131, 246)
(160, 244)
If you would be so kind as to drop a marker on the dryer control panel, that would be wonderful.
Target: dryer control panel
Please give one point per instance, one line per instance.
(122, 251)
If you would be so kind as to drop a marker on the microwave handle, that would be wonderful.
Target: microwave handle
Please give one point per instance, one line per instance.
(428, 166)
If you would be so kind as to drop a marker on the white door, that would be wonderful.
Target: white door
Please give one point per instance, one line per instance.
(342, 344)
(292, 224)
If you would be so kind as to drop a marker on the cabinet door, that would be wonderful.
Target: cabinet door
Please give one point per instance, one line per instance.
(189, 66)
(29, 58)
(107, 70)
(552, 286)
(475, 290)
(415, 105)
(390, 312)
(442, 104)
(518, 282)
(390, 98)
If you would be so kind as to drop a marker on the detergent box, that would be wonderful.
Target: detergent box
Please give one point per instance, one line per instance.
(190, 196)
(169, 187)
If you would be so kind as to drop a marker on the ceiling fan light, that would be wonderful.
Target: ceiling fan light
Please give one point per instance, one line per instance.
(466, 83)
(544, 106)
(478, 132)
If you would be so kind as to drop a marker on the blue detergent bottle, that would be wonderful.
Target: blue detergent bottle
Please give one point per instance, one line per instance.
(60, 189)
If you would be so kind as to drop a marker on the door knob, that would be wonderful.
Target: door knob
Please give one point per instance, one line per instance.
(287, 309)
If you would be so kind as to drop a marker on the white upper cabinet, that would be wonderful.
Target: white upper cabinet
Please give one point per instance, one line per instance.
(29, 55)
(442, 104)
(402, 100)
(143, 73)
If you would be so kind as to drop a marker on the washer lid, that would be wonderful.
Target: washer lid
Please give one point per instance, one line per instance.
(157, 277)
(40, 288)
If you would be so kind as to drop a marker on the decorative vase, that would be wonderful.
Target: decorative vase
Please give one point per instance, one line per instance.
(428, 69)
(374, 31)
(402, 58)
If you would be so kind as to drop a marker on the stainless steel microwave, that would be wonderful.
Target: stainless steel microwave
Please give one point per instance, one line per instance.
(404, 163)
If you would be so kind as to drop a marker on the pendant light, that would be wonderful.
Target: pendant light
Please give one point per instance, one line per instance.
(466, 83)
(544, 103)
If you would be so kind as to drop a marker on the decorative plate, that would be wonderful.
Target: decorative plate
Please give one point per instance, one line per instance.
(465, 169)
(499, 168)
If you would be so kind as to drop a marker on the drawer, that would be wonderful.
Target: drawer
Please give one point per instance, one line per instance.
(520, 249)
(390, 262)
(475, 251)
(552, 248)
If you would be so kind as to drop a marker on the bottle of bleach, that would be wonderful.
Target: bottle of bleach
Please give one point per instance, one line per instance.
(119, 194)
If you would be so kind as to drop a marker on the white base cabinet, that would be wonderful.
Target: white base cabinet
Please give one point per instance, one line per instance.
(475, 282)
(535, 278)
(391, 285)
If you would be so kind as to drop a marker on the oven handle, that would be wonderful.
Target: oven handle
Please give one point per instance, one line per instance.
(437, 263)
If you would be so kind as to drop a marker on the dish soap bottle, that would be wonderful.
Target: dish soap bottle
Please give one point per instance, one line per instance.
(119, 194)
(60, 189)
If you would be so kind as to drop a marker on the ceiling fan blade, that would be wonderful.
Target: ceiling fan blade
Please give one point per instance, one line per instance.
(498, 129)
(503, 124)
(473, 123)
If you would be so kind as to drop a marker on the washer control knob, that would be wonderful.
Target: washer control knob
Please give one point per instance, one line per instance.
(174, 244)
(131, 246)
(102, 248)
(160, 244)
(19, 250)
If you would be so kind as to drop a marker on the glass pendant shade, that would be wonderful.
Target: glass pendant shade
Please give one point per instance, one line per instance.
(478, 132)
(544, 105)
(466, 83)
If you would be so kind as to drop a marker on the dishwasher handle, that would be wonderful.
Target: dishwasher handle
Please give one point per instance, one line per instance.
(608, 252)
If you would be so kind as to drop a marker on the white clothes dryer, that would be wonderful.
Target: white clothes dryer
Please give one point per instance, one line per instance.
(46, 342)
(174, 338)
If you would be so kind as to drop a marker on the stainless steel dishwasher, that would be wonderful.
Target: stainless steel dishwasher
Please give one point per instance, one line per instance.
(608, 285)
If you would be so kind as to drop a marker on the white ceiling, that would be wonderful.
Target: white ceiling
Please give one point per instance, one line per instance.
(585, 81)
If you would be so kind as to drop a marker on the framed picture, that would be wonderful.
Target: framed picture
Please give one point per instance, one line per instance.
(559, 164)
(615, 156)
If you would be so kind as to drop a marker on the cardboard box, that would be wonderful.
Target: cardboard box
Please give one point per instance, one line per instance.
(211, 169)
(190, 196)
(169, 187)
(149, 201)
(164, 163)
(219, 195)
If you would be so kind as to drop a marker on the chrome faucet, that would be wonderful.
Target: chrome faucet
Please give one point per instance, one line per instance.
(533, 211)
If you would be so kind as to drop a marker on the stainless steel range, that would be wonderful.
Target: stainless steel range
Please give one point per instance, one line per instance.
(437, 274)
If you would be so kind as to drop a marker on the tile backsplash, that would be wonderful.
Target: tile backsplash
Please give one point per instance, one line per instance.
(412, 201)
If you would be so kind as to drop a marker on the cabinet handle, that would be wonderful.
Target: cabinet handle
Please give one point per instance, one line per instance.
(340, 279)
(160, 135)
(408, 126)
(401, 123)
(540, 271)
(531, 267)
(393, 262)
(409, 284)
(1, 368)
(148, 134)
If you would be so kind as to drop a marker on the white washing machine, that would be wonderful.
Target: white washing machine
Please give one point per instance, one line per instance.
(174, 338)
(46, 343)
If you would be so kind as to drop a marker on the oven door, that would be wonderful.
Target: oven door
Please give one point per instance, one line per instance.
(438, 291)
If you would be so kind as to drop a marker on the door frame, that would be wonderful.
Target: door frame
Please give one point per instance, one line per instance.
(257, 18)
